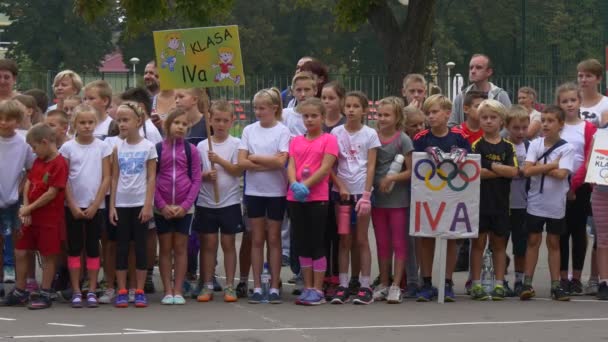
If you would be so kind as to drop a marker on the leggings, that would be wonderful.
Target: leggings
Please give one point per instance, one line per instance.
(83, 234)
(308, 228)
(130, 228)
(599, 201)
(332, 241)
(577, 212)
(390, 226)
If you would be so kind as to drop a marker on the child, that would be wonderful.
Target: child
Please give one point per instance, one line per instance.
(30, 108)
(304, 86)
(98, 94)
(390, 208)
(549, 162)
(437, 109)
(225, 216)
(191, 101)
(70, 103)
(593, 105)
(13, 148)
(414, 121)
(116, 101)
(579, 133)
(58, 121)
(133, 184)
(311, 158)
(498, 166)
(517, 122)
(263, 153)
(42, 216)
(89, 179)
(149, 131)
(471, 128)
(332, 96)
(414, 90)
(352, 185)
(177, 184)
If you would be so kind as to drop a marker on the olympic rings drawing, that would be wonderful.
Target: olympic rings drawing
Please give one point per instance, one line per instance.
(446, 176)
(604, 173)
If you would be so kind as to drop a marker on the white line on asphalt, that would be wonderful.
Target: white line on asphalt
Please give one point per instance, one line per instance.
(67, 325)
(7, 319)
(138, 330)
(367, 327)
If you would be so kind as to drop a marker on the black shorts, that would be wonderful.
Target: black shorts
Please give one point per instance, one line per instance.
(498, 224)
(181, 225)
(271, 207)
(106, 226)
(519, 234)
(534, 224)
(227, 220)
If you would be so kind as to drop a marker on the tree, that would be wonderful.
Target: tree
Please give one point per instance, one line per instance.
(49, 34)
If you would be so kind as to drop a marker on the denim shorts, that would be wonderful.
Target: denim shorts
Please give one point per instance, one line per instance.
(9, 219)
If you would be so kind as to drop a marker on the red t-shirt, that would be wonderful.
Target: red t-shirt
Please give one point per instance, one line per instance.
(471, 136)
(42, 176)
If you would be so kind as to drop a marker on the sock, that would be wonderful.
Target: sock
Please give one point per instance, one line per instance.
(499, 282)
(528, 280)
(476, 282)
(209, 285)
(554, 284)
(427, 281)
(365, 281)
(257, 290)
(273, 290)
(343, 279)
(519, 277)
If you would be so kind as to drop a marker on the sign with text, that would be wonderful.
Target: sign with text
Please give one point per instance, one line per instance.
(597, 170)
(199, 57)
(445, 197)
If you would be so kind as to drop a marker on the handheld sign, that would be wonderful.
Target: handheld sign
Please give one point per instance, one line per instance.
(597, 170)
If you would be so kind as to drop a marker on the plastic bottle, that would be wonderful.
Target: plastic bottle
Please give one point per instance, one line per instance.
(395, 167)
(487, 272)
(265, 283)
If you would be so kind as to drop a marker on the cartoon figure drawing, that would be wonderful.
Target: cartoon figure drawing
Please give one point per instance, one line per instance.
(174, 46)
(225, 55)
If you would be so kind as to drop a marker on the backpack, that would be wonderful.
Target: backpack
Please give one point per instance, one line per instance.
(187, 149)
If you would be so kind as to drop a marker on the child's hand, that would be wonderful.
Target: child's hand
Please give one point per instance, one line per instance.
(145, 214)
(214, 158)
(385, 183)
(25, 210)
(77, 213)
(167, 212)
(26, 220)
(211, 175)
(344, 194)
(179, 212)
(252, 158)
(113, 216)
(90, 212)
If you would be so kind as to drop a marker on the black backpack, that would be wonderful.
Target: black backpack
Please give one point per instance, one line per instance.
(187, 149)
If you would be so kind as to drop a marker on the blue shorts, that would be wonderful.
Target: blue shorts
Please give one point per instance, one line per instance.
(181, 225)
(227, 220)
(271, 207)
(9, 219)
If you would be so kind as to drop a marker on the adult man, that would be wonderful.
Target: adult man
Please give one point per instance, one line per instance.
(8, 78)
(480, 71)
(151, 78)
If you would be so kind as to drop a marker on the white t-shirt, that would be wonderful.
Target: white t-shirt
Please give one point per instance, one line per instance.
(535, 115)
(132, 163)
(575, 135)
(594, 114)
(113, 141)
(16, 156)
(86, 169)
(228, 186)
(102, 128)
(151, 133)
(352, 158)
(518, 185)
(551, 203)
(267, 142)
(293, 121)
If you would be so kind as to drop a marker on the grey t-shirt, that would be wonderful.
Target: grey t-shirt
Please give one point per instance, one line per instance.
(399, 197)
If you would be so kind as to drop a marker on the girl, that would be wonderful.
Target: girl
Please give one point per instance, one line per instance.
(332, 96)
(352, 186)
(31, 111)
(88, 182)
(390, 211)
(263, 153)
(311, 158)
(70, 103)
(414, 121)
(133, 182)
(177, 184)
(579, 133)
(224, 216)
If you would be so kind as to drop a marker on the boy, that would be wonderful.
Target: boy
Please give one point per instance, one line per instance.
(518, 121)
(471, 129)
(414, 90)
(498, 166)
(304, 85)
(42, 215)
(594, 104)
(98, 94)
(58, 121)
(437, 109)
(549, 162)
(13, 148)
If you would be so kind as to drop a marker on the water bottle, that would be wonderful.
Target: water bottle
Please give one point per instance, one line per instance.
(305, 172)
(265, 283)
(395, 167)
(487, 272)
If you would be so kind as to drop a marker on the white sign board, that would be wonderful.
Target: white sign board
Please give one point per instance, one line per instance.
(597, 171)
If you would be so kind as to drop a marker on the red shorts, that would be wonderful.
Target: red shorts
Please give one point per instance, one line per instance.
(44, 238)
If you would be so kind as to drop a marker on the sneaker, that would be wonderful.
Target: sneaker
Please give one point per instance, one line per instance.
(167, 300)
(565, 285)
(42, 301)
(425, 294)
(376, 282)
(364, 296)
(242, 290)
(16, 298)
(380, 292)
(527, 292)
(602, 291)
(576, 287)
(230, 295)
(508, 291)
(559, 294)
(32, 286)
(77, 300)
(354, 285)
(449, 293)
(285, 261)
(518, 287)
(9, 274)
(92, 301)
(141, 301)
(411, 291)
(499, 293)
(108, 296)
(179, 300)
(206, 295)
(342, 296)
(592, 287)
(187, 289)
(216, 285)
(330, 291)
(274, 298)
(314, 298)
(394, 295)
(256, 298)
(131, 295)
(467, 287)
(305, 293)
(196, 290)
(478, 293)
(122, 299)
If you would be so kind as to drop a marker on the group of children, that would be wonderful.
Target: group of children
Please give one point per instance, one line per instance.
(102, 170)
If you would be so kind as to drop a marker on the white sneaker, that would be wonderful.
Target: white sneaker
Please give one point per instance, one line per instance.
(380, 293)
(394, 295)
(9, 274)
(108, 296)
(131, 295)
(592, 287)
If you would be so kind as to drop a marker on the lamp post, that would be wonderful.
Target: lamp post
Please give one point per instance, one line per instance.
(134, 61)
(450, 66)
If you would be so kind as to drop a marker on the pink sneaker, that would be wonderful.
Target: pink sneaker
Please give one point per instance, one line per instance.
(32, 286)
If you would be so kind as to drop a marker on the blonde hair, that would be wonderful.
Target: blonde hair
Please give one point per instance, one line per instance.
(39, 132)
(493, 106)
(568, 86)
(304, 76)
(11, 110)
(221, 105)
(312, 102)
(411, 111)
(443, 102)
(272, 96)
(397, 104)
(528, 91)
(591, 65)
(203, 103)
(411, 78)
(516, 112)
(83, 108)
(74, 98)
(58, 113)
(134, 107)
(74, 77)
(104, 90)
